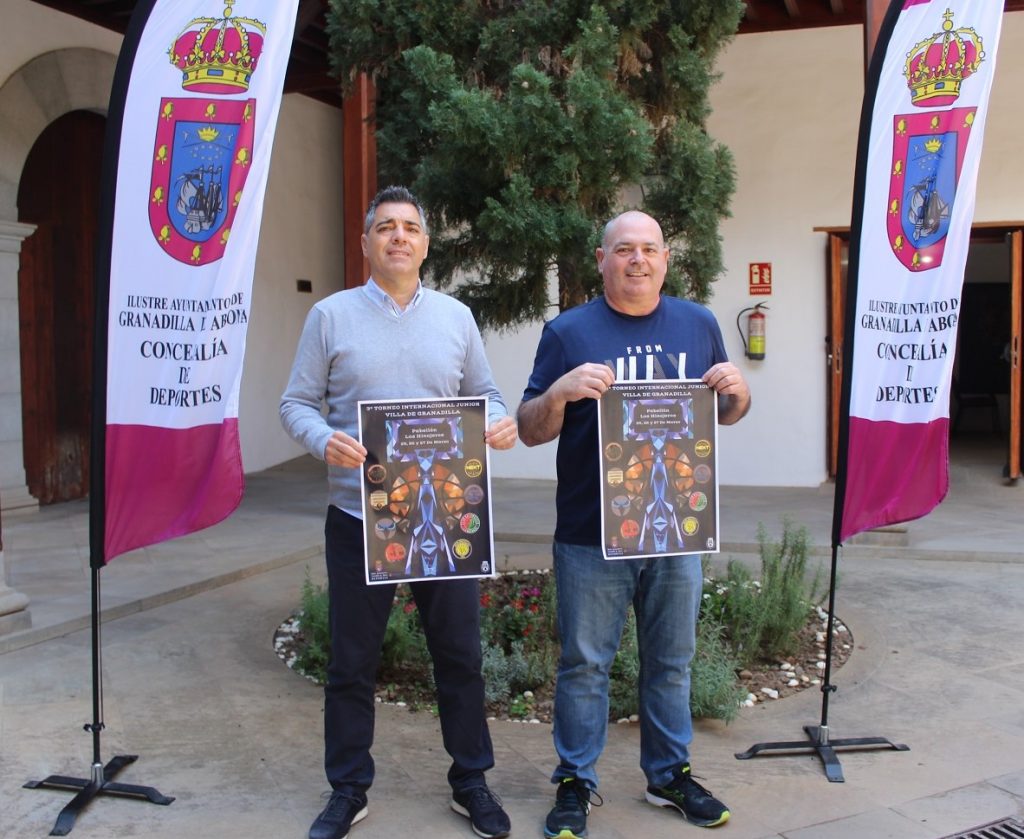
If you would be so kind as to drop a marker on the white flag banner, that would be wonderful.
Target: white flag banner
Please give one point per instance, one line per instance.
(199, 114)
(917, 172)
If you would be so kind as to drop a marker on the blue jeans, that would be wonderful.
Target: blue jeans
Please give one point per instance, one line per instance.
(593, 597)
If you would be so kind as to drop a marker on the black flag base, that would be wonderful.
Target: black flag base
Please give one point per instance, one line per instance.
(101, 783)
(824, 747)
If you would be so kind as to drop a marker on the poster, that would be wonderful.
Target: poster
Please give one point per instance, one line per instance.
(426, 490)
(659, 468)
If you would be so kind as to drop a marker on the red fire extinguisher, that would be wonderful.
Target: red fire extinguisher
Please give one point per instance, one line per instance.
(754, 338)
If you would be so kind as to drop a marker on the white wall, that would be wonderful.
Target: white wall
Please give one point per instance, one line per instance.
(301, 238)
(788, 106)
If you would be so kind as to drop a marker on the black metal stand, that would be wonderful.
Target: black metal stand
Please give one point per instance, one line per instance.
(101, 779)
(818, 741)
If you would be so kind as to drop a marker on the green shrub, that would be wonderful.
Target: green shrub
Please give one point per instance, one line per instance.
(742, 621)
(714, 691)
(313, 624)
(761, 619)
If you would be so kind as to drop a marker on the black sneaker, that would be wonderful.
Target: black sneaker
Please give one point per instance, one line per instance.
(483, 809)
(696, 804)
(342, 811)
(568, 818)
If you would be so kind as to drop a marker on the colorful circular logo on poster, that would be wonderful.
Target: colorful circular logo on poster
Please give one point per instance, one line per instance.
(614, 477)
(702, 448)
(620, 505)
(394, 552)
(702, 473)
(384, 529)
(470, 523)
(698, 501)
(690, 525)
(474, 467)
(613, 451)
(376, 474)
(473, 494)
(378, 499)
(462, 548)
(629, 529)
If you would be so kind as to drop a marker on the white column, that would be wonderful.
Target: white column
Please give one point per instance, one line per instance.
(14, 492)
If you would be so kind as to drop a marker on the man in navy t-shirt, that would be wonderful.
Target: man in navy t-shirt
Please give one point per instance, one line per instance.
(631, 333)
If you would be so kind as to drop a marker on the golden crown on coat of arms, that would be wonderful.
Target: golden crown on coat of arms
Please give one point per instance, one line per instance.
(218, 55)
(937, 66)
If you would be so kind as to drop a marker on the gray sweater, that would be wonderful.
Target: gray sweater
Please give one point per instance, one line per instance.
(351, 349)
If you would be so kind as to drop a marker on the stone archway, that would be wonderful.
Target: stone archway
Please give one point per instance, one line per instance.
(35, 95)
(31, 98)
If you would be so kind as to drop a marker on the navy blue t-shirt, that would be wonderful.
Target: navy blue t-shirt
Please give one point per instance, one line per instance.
(678, 340)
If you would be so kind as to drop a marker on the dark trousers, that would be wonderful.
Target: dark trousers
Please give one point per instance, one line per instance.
(450, 614)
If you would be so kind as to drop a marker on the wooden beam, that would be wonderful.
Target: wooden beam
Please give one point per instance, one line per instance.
(359, 178)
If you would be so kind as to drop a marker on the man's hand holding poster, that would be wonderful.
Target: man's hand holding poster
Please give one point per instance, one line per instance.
(659, 450)
(426, 490)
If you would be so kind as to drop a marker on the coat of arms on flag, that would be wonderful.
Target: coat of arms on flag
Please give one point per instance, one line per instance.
(204, 146)
(929, 148)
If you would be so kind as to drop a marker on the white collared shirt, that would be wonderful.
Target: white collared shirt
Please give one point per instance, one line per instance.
(387, 302)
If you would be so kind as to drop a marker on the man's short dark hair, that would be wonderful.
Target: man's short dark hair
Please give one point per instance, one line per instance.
(394, 195)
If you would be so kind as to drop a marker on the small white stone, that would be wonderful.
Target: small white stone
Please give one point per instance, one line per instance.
(805, 679)
(748, 703)
(634, 718)
(400, 703)
(820, 665)
(527, 694)
(793, 683)
(771, 693)
(815, 681)
(751, 698)
(819, 637)
(622, 721)
(535, 721)
(785, 666)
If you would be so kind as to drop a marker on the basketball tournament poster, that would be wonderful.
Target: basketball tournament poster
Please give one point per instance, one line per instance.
(659, 468)
(426, 490)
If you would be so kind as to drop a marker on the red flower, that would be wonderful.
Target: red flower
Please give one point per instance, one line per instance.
(485, 600)
(518, 604)
(526, 631)
(408, 607)
(534, 608)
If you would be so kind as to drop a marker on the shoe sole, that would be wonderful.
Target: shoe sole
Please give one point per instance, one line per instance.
(565, 834)
(658, 801)
(462, 811)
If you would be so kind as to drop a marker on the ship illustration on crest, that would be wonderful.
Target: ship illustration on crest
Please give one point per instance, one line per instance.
(204, 144)
(929, 147)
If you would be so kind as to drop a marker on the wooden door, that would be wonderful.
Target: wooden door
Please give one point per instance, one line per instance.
(1016, 391)
(838, 252)
(59, 192)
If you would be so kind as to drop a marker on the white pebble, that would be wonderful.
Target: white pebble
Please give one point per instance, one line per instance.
(771, 693)
(820, 665)
(793, 683)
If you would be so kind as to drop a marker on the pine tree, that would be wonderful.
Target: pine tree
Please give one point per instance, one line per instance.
(523, 125)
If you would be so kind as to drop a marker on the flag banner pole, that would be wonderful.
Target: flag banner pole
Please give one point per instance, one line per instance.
(165, 453)
(919, 148)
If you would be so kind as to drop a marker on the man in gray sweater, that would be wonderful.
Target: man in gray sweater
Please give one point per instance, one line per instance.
(391, 339)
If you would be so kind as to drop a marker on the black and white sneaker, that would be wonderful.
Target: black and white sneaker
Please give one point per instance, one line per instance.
(484, 811)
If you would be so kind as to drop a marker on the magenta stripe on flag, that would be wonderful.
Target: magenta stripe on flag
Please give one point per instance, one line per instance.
(166, 482)
(895, 472)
